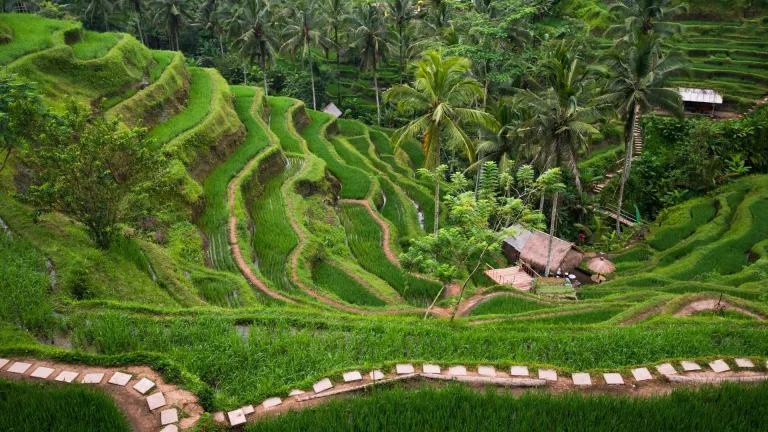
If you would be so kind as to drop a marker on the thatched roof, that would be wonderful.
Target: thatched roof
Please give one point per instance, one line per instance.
(520, 237)
(533, 247)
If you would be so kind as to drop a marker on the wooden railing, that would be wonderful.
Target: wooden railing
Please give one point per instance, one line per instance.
(528, 269)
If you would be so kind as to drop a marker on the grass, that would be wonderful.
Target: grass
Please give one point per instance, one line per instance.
(162, 60)
(506, 305)
(94, 45)
(344, 286)
(279, 109)
(31, 33)
(728, 407)
(32, 407)
(200, 95)
(681, 222)
(24, 285)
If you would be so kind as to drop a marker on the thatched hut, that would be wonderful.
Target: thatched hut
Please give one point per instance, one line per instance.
(531, 248)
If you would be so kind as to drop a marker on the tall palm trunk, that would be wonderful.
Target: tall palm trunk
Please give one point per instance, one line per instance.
(312, 79)
(138, 27)
(629, 139)
(338, 64)
(437, 192)
(263, 66)
(376, 89)
(401, 53)
(106, 20)
(221, 45)
(551, 233)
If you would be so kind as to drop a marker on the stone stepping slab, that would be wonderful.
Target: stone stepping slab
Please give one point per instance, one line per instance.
(352, 376)
(42, 372)
(719, 366)
(548, 374)
(155, 401)
(642, 374)
(271, 402)
(67, 376)
(248, 409)
(613, 379)
(93, 378)
(376, 375)
(744, 363)
(170, 428)
(690, 366)
(3, 362)
(457, 371)
(19, 367)
(519, 371)
(236, 417)
(488, 371)
(297, 392)
(581, 379)
(120, 379)
(322, 385)
(430, 369)
(403, 369)
(143, 386)
(169, 416)
(666, 369)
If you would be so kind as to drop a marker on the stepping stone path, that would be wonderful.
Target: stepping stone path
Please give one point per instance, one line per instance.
(488, 371)
(322, 385)
(236, 417)
(296, 392)
(143, 386)
(719, 366)
(744, 363)
(403, 369)
(376, 375)
(3, 362)
(67, 376)
(548, 374)
(42, 372)
(155, 401)
(120, 379)
(170, 428)
(93, 378)
(352, 376)
(690, 366)
(613, 379)
(431, 369)
(457, 371)
(581, 379)
(169, 416)
(666, 369)
(641, 374)
(519, 371)
(19, 367)
(248, 409)
(272, 402)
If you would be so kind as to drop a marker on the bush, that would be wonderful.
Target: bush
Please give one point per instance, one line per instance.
(77, 280)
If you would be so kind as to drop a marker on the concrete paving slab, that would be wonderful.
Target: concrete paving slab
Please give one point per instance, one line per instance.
(248, 409)
(352, 376)
(613, 379)
(488, 371)
(519, 371)
(666, 369)
(156, 400)
(272, 402)
(376, 375)
(322, 385)
(457, 370)
(170, 428)
(689, 366)
(3, 362)
(120, 379)
(219, 417)
(42, 372)
(548, 374)
(66, 376)
(236, 417)
(431, 369)
(93, 378)
(581, 379)
(719, 366)
(296, 392)
(642, 374)
(19, 367)
(169, 416)
(143, 386)
(744, 363)
(403, 369)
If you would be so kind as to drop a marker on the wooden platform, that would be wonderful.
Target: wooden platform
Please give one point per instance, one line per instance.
(622, 219)
(513, 276)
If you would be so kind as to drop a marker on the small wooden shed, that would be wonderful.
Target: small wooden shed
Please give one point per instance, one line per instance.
(700, 100)
(332, 109)
(531, 247)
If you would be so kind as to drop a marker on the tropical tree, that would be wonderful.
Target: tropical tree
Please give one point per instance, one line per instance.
(335, 13)
(174, 14)
(136, 7)
(550, 183)
(401, 12)
(304, 31)
(21, 115)
(250, 27)
(643, 17)
(637, 85)
(442, 95)
(371, 36)
(103, 8)
(212, 16)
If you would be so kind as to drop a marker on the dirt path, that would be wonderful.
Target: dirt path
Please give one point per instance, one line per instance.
(244, 267)
(711, 304)
(129, 400)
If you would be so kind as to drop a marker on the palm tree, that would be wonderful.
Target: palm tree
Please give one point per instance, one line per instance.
(442, 93)
(137, 8)
(250, 27)
(639, 73)
(212, 16)
(303, 31)
(174, 14)
(504, 146)
(643, 17)
(401, 12)
(562, 111)
(371, 36)
(550, 183)
(335, 13)
(100, 7)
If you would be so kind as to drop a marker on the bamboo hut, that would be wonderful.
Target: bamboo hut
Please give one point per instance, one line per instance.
(531, 247)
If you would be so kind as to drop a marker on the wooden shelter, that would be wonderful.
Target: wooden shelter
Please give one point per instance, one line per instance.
(531, 248)
(332, 109)
(700, 100)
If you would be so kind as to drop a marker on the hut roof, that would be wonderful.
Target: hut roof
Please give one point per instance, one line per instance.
(700, 95)
(332, 109)
(520, 237)
(565, 256)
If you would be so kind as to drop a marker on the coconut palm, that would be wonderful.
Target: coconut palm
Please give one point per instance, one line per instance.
(103, 8)
(637, 85)
(401, 12)
(370, 35)
(136, 7)
(211, 16)
(251, 28)
(174, 14)
(335, 13)
(550, 183)
(505, 145)
(303, 31)
(643, 17)
(442, 94)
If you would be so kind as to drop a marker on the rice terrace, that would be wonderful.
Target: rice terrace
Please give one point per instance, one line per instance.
(348, 215)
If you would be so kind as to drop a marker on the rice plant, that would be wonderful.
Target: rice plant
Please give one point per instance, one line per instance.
(198, 105)
(94, 44)
(681, 222)
(24, 285)
(507, 305)
(31, 33)
(162, 60)
(344, 286)
(279, 119)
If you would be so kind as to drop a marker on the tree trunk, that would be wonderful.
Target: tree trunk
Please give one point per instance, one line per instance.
(464, 286)
(401, 53)
(478, 176)
(245, 75)
(437, 193)
(312, 79)
(338, 64)
(551, 233)
(178, 46)
(376, 90)
(263, 66)
(138, 26)
(106, 20)
(629, 138)
(221, 45)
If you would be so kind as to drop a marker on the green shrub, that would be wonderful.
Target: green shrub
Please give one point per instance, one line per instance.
(6, 34)
(198, 104)
(77, 279)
